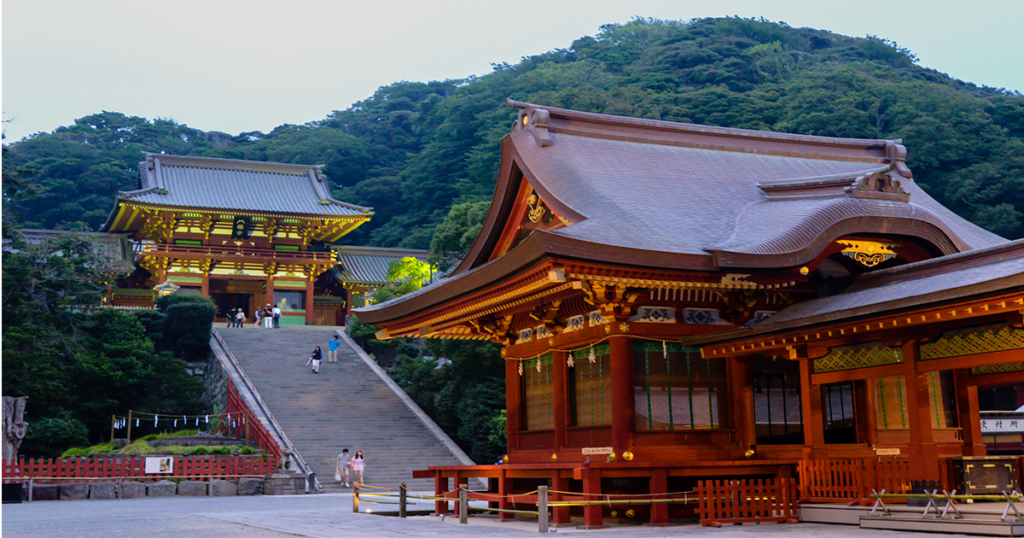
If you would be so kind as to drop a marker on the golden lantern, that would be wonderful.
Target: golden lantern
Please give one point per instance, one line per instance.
(504, 459)
(554, 457)
(627, 455)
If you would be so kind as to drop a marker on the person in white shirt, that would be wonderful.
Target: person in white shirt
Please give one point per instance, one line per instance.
(277, 317)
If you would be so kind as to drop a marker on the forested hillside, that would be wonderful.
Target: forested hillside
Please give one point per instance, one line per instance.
(413, 149)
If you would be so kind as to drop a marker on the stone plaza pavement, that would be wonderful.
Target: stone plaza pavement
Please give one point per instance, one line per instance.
(320, 516)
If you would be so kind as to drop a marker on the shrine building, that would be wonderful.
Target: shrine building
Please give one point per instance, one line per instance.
(711, 302)
(246, 234)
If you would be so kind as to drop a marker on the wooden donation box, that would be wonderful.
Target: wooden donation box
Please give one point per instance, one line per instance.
(985, 475)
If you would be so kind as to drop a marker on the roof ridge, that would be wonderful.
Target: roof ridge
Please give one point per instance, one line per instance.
(609, 119)
(232, 164)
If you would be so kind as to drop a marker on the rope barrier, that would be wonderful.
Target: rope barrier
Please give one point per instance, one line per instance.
(482, 509)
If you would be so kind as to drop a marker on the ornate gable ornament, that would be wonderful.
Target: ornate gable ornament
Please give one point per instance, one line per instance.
(879, 185)
(532, 120)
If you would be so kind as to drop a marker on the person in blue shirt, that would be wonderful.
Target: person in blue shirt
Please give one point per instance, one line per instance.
(332, 350)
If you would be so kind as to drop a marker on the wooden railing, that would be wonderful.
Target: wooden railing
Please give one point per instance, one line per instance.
(239, 421)
(211, 251)
(850, 480)
(112, 468)
(746, 501)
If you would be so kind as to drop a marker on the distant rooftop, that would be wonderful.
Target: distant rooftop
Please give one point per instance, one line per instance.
(200, 182)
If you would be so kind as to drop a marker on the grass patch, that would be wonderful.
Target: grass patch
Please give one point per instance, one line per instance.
(138, 448)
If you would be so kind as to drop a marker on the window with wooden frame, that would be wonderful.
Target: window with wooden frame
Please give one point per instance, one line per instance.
(590, 402)
(838, 411)
(778, 411)
(676, 389)
(538, 393)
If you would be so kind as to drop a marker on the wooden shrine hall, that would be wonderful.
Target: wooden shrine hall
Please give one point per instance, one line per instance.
(679, 302)
(247, 234)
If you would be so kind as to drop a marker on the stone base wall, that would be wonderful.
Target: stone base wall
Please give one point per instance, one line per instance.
(134, 489)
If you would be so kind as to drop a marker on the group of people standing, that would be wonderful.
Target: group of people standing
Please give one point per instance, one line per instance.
(345, 462)
(270, 316)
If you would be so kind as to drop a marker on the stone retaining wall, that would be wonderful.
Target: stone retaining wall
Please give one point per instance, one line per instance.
(134, 490)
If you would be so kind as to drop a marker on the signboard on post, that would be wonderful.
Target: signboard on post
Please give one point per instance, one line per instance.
(887, 452)
(160, 465)
(599, 450)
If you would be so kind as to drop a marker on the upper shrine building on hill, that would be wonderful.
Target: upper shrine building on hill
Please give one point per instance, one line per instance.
(247, 234)
(712, 302)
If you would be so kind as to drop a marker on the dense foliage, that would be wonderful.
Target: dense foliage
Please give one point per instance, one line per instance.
(187, 322)
(412, 150)
(79, 365)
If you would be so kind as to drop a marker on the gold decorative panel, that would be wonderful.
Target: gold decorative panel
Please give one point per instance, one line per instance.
(998, 368)
(868, 253)
(857, 356)
(973, 340)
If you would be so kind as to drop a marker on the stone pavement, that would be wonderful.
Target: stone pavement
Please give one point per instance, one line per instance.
(323, 516)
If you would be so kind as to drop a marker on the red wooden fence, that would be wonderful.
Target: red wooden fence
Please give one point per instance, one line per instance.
(238, 420)
(746, 501)
(134, 467)
(851, 480)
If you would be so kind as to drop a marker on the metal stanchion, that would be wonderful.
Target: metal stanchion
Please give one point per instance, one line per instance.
(355, 498)
(463, 504)
(29, 490)
(542, 509)
(401, 500)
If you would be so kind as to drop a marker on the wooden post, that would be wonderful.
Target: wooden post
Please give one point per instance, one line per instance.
(741, 394)
(402, 500)
(204, 288)
(814, 425)
(269, 296)
(969, 414)
(561, 401)
(309, 302)
(355, 498)
(592, 517)
(504, 489)
(513, 399)
(440, 488)
(542, 509)
(463, 504)
(621, 349)
(559, 514)
(659, 490)
(460, 482)
(924, 453)
(129, 436)
(113, 421)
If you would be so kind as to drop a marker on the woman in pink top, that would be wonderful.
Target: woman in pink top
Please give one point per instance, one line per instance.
(358, 464)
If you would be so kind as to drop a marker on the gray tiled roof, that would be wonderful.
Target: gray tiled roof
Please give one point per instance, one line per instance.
(369, 265)
(236, 185)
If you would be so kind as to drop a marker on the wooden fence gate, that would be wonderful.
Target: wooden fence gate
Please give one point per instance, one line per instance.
(746, 501)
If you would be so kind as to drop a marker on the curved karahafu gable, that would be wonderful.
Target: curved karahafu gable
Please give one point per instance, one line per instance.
(742, 198)
(670, 196)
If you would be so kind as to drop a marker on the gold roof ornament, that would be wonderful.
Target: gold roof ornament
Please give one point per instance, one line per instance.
(869, 253)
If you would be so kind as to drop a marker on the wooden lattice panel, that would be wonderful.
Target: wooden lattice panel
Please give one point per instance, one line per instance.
(998, 368)
(973, 340)
(857, 356)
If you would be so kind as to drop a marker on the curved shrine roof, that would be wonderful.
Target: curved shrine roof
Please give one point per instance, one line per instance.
(199, 182)
(679, 196)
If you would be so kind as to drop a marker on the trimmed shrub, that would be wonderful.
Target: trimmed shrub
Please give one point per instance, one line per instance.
(199, 451)
(187, 327)
(221, 450)
(247, 450)
(167, 301)
(138, 448)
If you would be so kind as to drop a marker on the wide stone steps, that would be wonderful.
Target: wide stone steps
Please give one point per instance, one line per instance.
(346, 405)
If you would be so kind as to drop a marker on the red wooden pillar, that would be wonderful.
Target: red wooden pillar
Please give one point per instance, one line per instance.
(741, 394)
(559, 514)
(269, 299)
(969, 414)
(309, 301)
(924, 453)
(621, 349)
(204, 289)
(504, 489)
(659, 489)
(814, 424)
(440, 488)
(561, 400)
(513, 402)
(592, 516)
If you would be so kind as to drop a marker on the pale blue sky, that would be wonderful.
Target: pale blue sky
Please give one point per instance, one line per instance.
(255, 64)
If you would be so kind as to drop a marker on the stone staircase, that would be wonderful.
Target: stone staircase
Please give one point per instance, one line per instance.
(346, 405)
